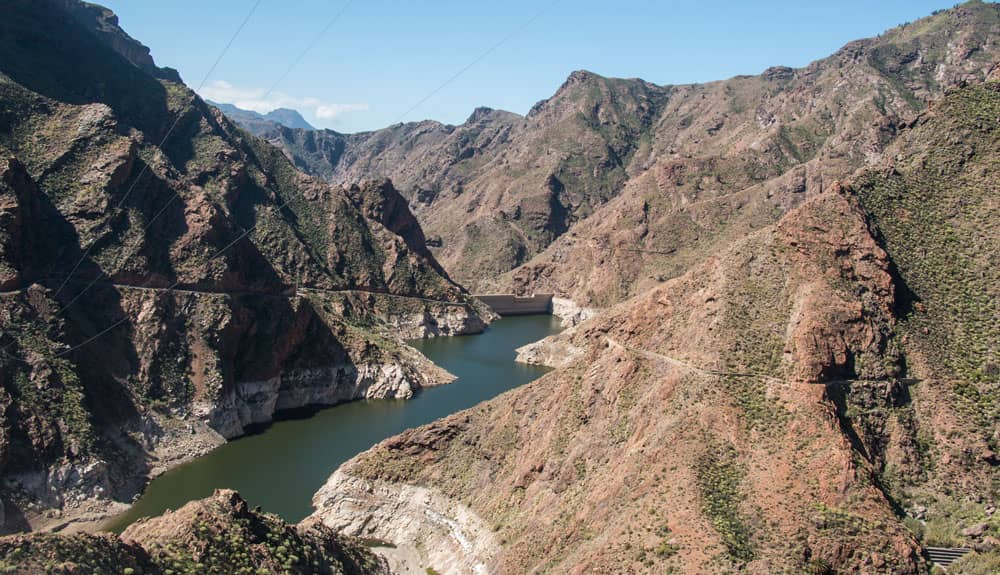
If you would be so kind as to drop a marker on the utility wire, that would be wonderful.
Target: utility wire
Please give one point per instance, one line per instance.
(477, 60)
(482, 56)
(135, 181)
(284, 75)
(451, 79)
(308, 48)
(292, 196)
(145, 166)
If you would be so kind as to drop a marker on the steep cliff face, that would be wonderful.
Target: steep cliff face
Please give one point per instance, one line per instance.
(103, 24)
(819, 397)
(612, 186)
(934, 206)
(161, 269)
(219, 534)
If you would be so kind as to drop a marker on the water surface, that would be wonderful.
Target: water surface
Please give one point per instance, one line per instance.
(281, 467)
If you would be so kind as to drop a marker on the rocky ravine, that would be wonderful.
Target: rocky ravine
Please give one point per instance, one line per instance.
(819, 397)
(157, 299)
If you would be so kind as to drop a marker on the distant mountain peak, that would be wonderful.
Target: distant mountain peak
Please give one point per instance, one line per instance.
(581, 76)
(289, 118)
(258, 123)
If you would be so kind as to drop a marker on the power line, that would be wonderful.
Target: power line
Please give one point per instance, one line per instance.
(308, 48)
(102, 273)
(428, 96)
(145, 166)
(135, 181)
(478, 59)
(284, 75)
(288, 70)
(482, 56)
(293, 195)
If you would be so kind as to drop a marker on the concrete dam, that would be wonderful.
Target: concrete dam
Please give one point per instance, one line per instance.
(510, 304)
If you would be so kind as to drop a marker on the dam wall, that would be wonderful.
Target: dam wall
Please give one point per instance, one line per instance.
(510, 304)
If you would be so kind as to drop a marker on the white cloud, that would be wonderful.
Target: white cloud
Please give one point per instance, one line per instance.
(254, 99)
(331, 111)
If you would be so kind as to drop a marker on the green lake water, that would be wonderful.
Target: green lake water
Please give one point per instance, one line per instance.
(281, 467)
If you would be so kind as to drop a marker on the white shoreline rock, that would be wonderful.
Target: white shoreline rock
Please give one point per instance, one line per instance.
(570, 312)
(553, 351)
(427, 526)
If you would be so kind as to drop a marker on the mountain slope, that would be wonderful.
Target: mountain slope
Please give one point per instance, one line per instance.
(168, 280)
(755, 148)
(613, 185)
(818, 397)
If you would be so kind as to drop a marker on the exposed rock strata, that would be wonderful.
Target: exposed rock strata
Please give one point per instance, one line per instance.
(446, 321)
(570, 312)
(257, 402)
(551, 351)
(445, 535)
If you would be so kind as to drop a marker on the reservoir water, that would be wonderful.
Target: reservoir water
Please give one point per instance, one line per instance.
(281, 467)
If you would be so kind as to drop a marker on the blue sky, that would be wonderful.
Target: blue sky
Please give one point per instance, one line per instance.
(384, 56)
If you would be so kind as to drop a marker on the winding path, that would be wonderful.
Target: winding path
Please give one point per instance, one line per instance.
(291, 293)
(688, 366)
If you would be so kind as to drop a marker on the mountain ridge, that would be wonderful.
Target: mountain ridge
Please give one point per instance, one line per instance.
(522, 183)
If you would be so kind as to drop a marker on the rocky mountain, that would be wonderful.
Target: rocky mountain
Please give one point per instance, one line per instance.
(168, 280)
(612, 186)
(219, 534)
(258, 124)
(818, 396)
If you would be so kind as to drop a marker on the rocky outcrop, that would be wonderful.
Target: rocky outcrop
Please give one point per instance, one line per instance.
(103, 23)
(570, 312)
(17, 206)
(832, 337)
(257, 402)
(379, 201)
(442, 322)
(219, 534)
(441, 533)
(553, 351)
